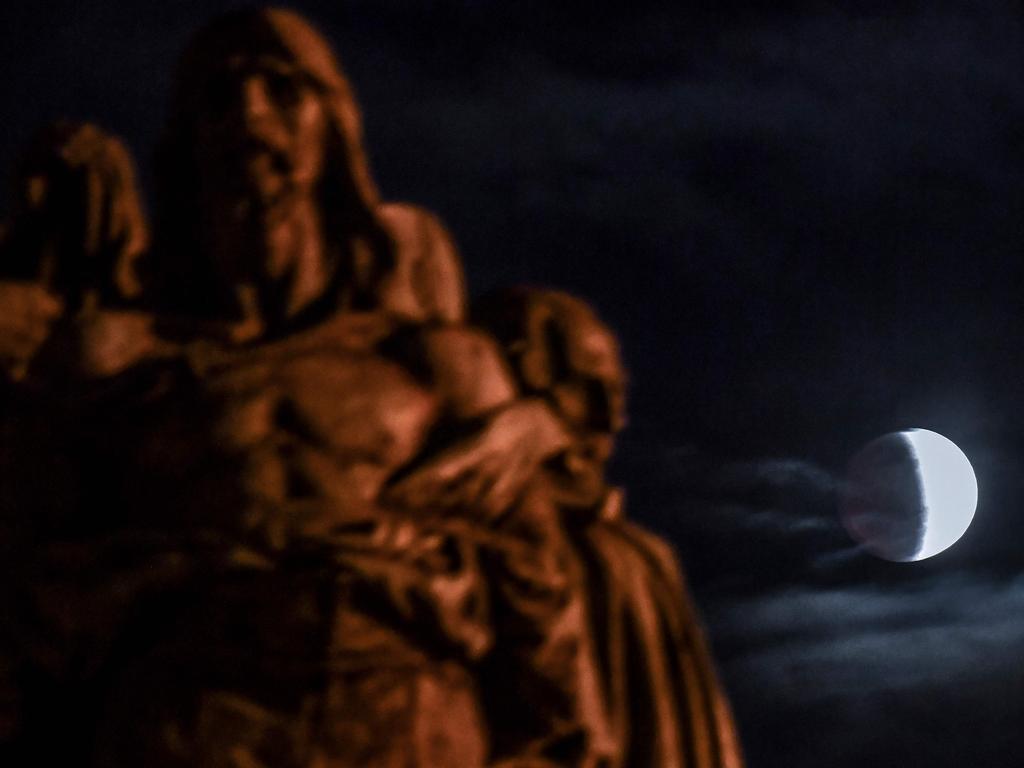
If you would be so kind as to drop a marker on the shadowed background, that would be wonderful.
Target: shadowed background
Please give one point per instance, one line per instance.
(804, 224)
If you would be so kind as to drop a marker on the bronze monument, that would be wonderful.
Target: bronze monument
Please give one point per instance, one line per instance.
(271, 499)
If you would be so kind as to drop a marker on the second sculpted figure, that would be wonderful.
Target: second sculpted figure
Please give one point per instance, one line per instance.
(279, 503)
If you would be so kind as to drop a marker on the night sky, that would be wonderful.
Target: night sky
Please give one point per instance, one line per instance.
(806, 226)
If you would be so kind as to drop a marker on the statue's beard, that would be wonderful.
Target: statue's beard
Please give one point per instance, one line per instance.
(261, 235)
(260, 216)
(257, 232)
(257, 182)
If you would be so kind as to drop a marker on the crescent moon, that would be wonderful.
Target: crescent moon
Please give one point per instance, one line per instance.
(909, 495)
(949, 490)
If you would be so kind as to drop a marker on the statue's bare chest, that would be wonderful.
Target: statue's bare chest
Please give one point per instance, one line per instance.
(299, 439)
(359, 406)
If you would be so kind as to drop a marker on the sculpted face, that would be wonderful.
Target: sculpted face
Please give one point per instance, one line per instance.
(588, 391)
(590, 395)
(260, 135)
(260, 145)
(263, 140)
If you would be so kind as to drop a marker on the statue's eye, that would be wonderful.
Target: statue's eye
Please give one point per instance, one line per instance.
(282, 88)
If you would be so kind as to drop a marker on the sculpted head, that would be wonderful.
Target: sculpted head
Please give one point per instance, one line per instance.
(260, 134)
(262, 121)
(77, 225)
(561, 351)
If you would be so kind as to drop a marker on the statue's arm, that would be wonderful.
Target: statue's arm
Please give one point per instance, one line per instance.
(501, 439)
(535, 594)
(427, 282)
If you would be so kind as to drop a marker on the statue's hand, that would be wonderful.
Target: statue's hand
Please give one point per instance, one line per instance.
(485, 473)
(27, 310)
(111, 341)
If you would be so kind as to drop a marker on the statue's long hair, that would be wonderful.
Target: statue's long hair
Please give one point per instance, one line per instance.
(180, 277)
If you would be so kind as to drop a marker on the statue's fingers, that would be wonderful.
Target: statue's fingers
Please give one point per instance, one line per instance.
(32, 307)
(24, 331)
(431, 478)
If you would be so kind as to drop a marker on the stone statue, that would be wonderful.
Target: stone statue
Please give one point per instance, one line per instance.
(265, 136)
(664, 702)
(270, 501)
(74, 237)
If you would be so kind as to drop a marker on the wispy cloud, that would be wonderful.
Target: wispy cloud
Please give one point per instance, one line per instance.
(835, 675)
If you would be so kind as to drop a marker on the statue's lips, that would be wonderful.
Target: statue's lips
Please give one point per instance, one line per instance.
(254, 157)
(263, 163)
(269, 198)
(261, 174)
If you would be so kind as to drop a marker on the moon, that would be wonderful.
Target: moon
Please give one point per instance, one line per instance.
(909, 495)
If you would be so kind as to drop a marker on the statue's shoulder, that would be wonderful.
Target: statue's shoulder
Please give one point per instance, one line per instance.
(427, 280)
(462, 364)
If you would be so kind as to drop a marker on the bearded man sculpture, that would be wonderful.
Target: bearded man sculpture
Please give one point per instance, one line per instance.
(300, 513)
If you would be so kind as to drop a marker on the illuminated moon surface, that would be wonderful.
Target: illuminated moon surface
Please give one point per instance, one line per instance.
(909, 495)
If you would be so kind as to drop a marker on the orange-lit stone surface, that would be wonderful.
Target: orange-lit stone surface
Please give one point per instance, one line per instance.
(270, 499)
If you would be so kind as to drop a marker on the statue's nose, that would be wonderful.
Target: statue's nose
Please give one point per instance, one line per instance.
(256, 104)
